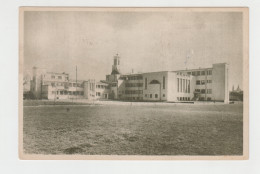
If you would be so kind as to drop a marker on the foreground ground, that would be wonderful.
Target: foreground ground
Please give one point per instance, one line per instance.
(172, 129)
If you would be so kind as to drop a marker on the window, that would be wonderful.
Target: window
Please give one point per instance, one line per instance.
(188, 86)
(202, 82)
(209, 91)
(53, 77)
(145, 87)
(74, 84)
(202, 91)
(197, 82)
(178, 98)
(151, 95)
(189, 73)
(203, 73)
(52, 84)
(193, 73)
(181, 85)
(163, 82)
(156, 95)
(197, 90)
(209, 72)
(145, 95)
(178, 85)
(198, 73)
(209, 98)
(163, 95)
(59, 77)
(209, 81)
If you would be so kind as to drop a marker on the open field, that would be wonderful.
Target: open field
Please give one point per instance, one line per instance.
(172, 129)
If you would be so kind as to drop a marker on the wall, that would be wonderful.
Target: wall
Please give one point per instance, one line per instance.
(155, 88)
(220, 82)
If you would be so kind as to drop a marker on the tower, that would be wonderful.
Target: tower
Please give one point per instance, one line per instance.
(116, 65)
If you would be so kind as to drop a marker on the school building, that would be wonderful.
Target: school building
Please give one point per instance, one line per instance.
(203, 84)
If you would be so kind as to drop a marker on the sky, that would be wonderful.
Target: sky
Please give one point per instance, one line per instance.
(145, 41)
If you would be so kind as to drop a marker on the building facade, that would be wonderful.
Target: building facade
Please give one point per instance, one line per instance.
(52, 85)
(203, 84)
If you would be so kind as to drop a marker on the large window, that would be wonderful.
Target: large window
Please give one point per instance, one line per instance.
(181, 85)
(188, 86)
(163, 82)
(178, 84)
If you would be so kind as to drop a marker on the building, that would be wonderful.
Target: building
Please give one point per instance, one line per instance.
(204, 84)
(52, 85)
(236, 95)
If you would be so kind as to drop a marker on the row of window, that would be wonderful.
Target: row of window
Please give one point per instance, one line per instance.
(134, 92)
(65, 84)
(134, 78)
(101, 86)
(203, 99)
(134, 98)
(151, 95)
(200, 73)
(68, 92)
(183, 98)
(202, 91)
(183, 85)
(58, 77)
(134, 85)
(203, 82)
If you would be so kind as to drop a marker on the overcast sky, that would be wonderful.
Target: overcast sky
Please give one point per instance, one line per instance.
(145, 41)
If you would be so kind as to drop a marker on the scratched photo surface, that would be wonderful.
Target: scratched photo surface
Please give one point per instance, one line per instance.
(132, 82)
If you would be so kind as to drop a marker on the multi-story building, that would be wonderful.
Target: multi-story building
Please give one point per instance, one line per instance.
(205, 84)
(52, 85)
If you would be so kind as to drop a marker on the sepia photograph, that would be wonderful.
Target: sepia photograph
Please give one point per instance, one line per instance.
(133, 83)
